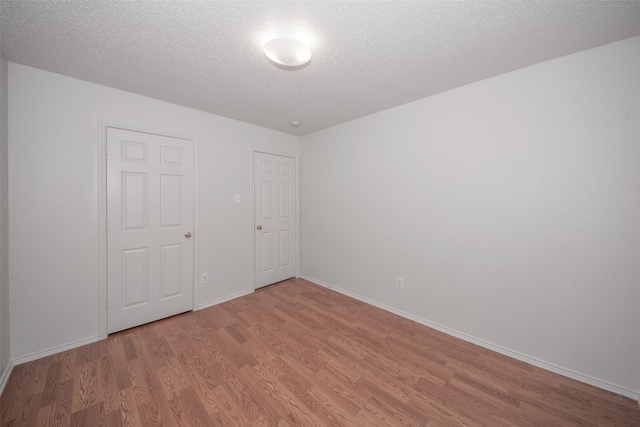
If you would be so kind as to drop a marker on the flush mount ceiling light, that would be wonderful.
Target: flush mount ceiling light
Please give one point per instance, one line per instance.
(287, 52)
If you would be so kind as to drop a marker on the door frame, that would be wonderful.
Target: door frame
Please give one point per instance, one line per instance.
(102, 212)
(296, 157)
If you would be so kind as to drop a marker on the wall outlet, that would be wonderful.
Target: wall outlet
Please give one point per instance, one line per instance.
(204, 278)
(399, 283)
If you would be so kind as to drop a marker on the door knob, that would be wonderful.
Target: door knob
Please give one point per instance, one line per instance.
(187, 234)
(259, 227)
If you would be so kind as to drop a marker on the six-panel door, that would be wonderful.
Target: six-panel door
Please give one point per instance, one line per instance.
(150, 206)
(275, 218)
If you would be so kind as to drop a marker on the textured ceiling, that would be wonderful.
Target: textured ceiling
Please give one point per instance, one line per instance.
(367, 55)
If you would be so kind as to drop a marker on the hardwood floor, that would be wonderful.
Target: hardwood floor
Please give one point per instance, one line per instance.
(297, 354)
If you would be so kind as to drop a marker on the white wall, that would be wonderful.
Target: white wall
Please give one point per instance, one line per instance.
(53, 200)
(5, 349)
(510, 207)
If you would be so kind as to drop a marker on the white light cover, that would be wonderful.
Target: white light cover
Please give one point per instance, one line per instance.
(287, 52)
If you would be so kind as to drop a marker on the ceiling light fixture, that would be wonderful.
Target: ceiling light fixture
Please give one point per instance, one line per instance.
(295, 124)
(287, 52)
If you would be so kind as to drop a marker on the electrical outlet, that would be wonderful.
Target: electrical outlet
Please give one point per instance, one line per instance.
(204, 278)
(399, 283)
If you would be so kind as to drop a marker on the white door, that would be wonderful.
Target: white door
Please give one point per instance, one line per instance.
(275, 218)
(150, 197)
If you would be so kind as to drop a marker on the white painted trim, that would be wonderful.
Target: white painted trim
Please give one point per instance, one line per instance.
(4, 379)
(225, 299)
(54, 350)
(298, 241)
(257, 149)
(569, 373)
(296, 157)
(196, 225)
(102, 212)
(254, 150)
(142, 129)
(102, 234)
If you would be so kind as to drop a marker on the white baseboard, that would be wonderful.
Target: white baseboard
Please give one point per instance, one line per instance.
(53, 350)
(5, 376)
(587, 379)
(79, 343)
(225, 299)
(57, 349)
(40, 354)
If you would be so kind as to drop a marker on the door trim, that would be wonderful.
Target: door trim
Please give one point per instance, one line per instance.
(274, 152)
(102, 213)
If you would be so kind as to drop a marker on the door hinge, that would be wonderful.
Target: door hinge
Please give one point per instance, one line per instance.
(107, 303)
(106, 149)
(106, 226)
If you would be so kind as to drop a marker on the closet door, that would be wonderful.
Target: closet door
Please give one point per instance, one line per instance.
(150, 210)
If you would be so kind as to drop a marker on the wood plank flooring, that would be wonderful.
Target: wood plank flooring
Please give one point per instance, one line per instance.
(296, 354)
